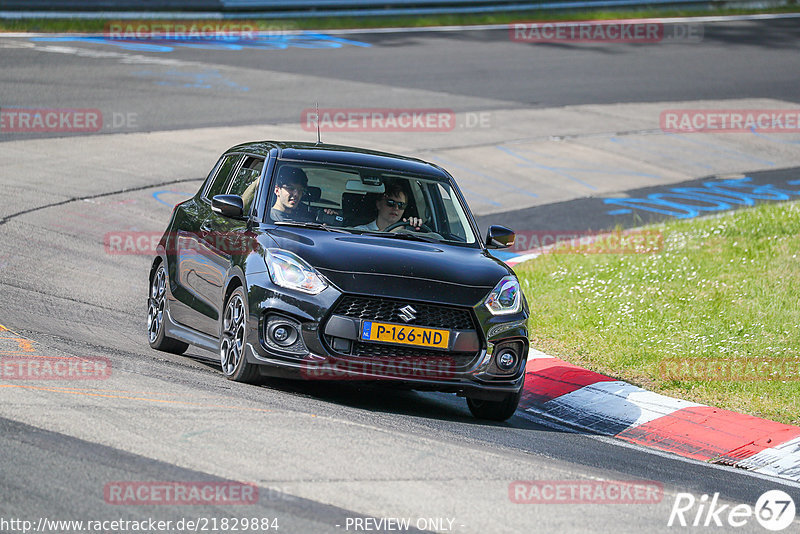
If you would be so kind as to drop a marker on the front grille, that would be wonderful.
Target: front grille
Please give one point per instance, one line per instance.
(431, 315)
(455, 360)
(387, 310)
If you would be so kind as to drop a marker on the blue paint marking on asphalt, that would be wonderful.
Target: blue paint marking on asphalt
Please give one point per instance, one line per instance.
(135, 46)
(689, 202)
(664, 154)
(308, 40)
(490, 178)
(595, 170)
(480, 198)
(768, 138)
(556, 170)
(338, 40)
(735, 153)
(157, 196)
(201, 80)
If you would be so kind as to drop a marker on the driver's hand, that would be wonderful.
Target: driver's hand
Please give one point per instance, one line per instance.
(414, 222)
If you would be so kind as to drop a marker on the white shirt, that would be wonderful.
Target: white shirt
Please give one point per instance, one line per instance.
(372, 227)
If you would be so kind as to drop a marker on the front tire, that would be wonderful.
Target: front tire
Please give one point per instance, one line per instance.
(156, 308)
(495, 410)
(233, 341)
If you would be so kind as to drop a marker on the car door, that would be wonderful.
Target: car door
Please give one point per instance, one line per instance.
(222, 239)
(193, 264)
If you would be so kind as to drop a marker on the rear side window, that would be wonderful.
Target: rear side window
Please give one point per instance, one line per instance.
(245, 182)
(217, 185)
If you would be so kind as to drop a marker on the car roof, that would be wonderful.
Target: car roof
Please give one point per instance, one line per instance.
(343, 155)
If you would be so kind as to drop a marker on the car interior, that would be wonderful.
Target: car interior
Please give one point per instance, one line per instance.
(346, 198)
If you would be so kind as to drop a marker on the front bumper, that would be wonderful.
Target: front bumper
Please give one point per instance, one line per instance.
(328, 347)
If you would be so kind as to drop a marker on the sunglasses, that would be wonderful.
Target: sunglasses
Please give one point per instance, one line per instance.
(395, 203)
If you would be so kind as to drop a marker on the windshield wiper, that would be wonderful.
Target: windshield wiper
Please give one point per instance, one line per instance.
(308, 224)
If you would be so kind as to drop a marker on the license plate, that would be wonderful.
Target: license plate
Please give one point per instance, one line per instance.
(405, 335)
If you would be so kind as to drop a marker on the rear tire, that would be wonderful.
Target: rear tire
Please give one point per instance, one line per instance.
(156, 308)
(233, 341)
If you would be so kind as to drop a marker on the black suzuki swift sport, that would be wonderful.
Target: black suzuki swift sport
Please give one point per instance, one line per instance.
(325, 262)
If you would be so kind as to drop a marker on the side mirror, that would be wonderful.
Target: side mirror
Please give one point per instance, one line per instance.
(231, 206)
(500, 237)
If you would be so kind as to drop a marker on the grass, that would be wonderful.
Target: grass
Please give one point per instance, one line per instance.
(722, 294)
(327, 23)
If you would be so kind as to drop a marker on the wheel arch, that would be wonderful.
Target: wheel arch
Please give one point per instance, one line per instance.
(236, 279)
(158, 260)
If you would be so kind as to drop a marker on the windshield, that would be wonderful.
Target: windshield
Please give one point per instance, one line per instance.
(367, 200)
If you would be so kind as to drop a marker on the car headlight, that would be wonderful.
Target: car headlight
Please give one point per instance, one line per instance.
(506, 297)
(290, 271)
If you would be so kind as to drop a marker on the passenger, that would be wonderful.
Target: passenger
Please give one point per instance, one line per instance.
(391, 207)
(248, 195)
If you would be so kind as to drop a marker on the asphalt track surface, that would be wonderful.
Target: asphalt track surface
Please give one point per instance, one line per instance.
(461, 70)
(319, 453)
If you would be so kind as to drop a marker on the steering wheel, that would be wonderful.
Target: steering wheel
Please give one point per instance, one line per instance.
(398, 224)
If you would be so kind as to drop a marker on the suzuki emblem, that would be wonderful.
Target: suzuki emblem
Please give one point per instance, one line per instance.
(408, 314)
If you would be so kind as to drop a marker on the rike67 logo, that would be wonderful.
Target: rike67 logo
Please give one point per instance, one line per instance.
(774, 510)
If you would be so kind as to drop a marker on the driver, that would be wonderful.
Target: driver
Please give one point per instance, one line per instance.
(391, 207)
(289, 188)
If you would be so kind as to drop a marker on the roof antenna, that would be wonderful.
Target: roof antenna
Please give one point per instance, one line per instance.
(319, 138)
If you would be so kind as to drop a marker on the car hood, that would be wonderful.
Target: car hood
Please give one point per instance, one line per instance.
(395, 268)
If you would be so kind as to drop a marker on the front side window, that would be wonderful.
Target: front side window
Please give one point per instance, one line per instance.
(367, 200)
